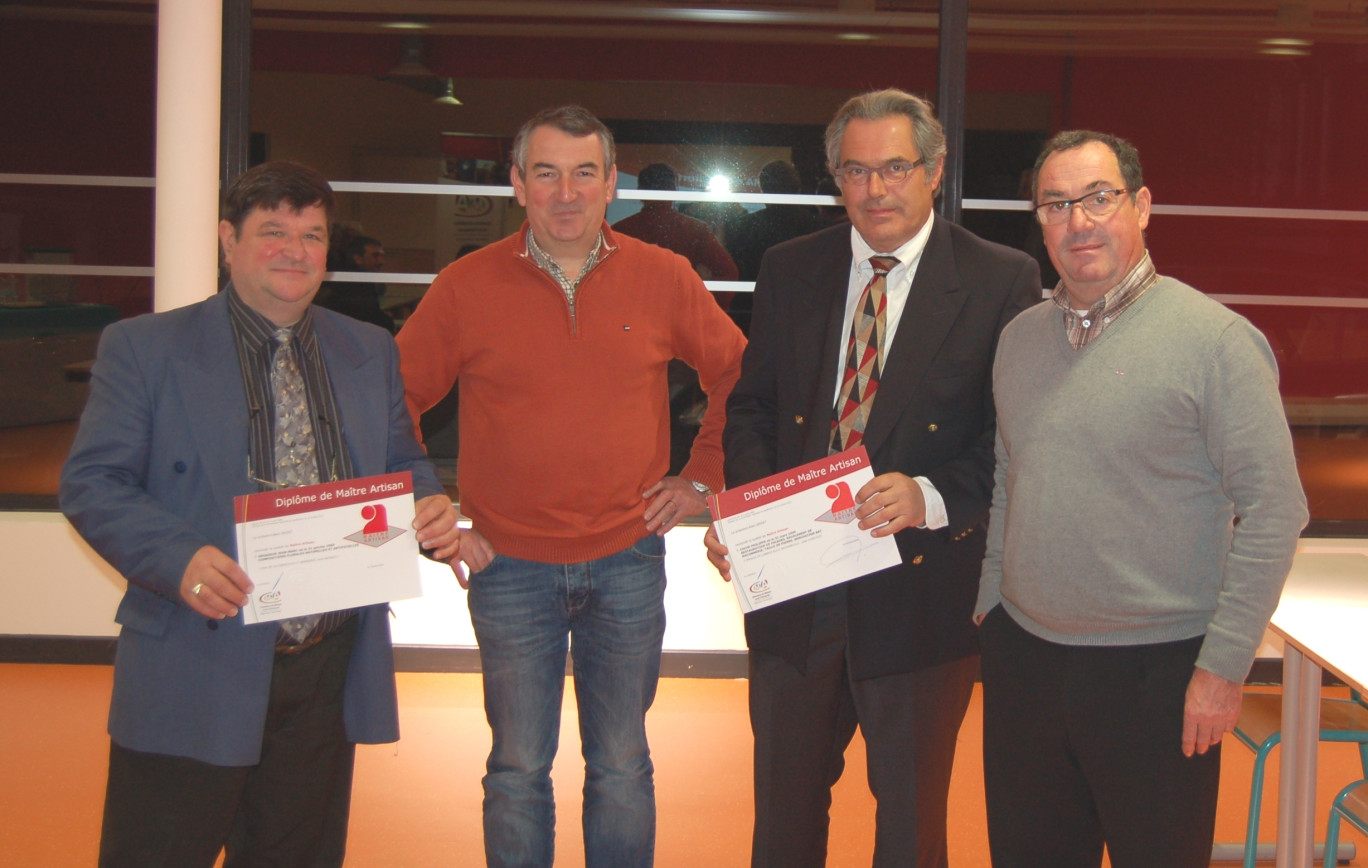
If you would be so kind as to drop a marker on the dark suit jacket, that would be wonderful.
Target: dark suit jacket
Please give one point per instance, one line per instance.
(160, 454)
(933, 417)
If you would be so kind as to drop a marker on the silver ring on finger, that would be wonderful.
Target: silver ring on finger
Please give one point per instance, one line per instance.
(199, 586)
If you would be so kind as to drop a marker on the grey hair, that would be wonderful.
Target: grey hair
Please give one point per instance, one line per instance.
(879, 104)
(1127, 157)
(572, 120)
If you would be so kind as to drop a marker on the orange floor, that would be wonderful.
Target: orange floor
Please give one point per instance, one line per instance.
(417, 803)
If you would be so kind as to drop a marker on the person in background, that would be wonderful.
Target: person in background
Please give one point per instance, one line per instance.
(358, 300)
(760, 230)
(659, 223)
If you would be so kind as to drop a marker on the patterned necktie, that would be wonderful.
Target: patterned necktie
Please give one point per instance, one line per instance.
(295, 463)
(864, 359)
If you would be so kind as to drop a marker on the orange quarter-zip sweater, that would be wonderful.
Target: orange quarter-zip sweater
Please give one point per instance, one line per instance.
(564, 413)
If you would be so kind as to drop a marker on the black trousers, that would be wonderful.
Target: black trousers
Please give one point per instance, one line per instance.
(290, 809)
(1082, 746)
(804, 720)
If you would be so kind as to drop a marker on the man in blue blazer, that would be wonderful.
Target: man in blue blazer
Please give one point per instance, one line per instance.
(224, 734)
(894, 652)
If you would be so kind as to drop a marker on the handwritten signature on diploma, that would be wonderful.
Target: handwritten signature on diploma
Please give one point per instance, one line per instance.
(847, 547)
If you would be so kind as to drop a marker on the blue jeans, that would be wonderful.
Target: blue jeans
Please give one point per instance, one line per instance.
(611, 614)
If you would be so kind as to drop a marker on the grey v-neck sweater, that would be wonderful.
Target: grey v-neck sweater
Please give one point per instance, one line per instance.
(1122, 469)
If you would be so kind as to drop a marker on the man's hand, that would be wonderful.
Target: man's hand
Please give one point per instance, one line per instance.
(671, 499)
(434, 525)
(437, 531)
(717, 554)
(214, 585)
(889, 503)
(476, 552)
(1210, 711)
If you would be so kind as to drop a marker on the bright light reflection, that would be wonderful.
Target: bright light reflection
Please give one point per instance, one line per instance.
(719, 184)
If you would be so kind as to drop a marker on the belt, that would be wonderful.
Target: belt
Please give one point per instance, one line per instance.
(302, 646)
(321, 632)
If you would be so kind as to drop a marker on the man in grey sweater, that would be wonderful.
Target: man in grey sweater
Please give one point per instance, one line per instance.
(1146, 508)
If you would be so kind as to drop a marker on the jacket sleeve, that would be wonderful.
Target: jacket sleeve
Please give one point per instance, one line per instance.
(965, 481)
(103, 491)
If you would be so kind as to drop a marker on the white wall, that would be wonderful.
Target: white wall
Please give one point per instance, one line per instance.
(53, 584)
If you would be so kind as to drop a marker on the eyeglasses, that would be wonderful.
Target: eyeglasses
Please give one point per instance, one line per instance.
(1098, 204)
(892, 173)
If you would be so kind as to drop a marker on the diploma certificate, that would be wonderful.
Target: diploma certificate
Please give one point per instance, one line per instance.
(795, 532)
(319, 548)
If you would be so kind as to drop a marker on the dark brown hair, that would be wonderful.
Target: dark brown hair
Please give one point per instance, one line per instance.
(268, 185)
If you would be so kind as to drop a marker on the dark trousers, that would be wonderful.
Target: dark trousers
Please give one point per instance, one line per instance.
(803, 721)
(290, 809)
(1082, 746)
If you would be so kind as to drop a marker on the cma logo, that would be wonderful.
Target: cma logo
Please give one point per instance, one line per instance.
(473, 206)
(269, 597)
(761, 585)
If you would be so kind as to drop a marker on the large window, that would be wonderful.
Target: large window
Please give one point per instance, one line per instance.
(1246, 118)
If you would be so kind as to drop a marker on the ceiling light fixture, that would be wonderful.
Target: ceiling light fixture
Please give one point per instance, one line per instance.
(448, 96)
(411, 60)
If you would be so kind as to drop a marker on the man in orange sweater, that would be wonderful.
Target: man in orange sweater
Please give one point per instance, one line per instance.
(559, 337)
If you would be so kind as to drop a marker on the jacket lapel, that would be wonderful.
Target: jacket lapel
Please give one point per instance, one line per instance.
(830, 278)
(363, 408)
(209, 383)
(933, 303)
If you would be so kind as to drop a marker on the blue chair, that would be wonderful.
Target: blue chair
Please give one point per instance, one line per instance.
(1352, 805)
(1260, 729)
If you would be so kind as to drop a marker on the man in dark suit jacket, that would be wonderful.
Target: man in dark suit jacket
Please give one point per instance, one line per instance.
(892, 652)
(223, 732)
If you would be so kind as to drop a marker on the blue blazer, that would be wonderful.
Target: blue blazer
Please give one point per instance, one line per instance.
(160, 454)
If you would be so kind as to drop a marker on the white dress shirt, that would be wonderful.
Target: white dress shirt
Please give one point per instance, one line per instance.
(897, 286)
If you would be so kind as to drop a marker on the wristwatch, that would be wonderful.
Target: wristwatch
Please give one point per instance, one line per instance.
(701, 488)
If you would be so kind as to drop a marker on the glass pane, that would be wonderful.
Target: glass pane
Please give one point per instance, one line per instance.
(1233, 107)
(80, 104)
(1240, 117)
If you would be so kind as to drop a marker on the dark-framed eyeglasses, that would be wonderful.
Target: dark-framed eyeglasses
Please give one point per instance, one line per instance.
(1097, 204)
(894, 172)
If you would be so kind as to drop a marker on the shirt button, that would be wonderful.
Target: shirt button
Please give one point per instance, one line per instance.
(1087, 323)
(917, 559)
(933, 427)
